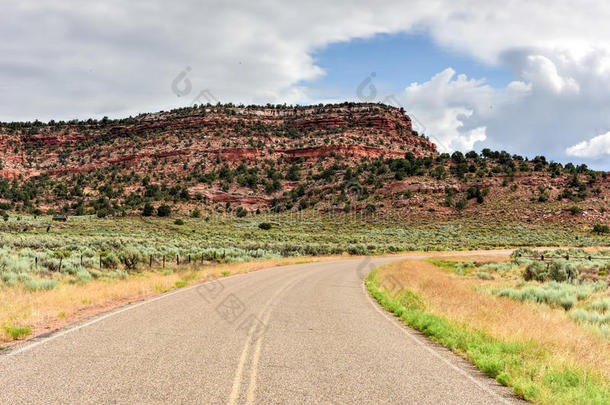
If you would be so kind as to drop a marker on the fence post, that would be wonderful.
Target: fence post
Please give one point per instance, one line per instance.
(189, 258)
(151, 260)
(81, 260)
(60, 260)
(100, 261)
(36, 261)
(178, 259)
(163, 261)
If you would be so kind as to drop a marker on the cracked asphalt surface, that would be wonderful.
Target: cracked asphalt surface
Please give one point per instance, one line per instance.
(299, 334)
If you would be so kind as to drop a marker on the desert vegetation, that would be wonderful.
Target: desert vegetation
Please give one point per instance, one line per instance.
(36, 249)
(548, 340)
(88, 248)
(244, 160)
(84, 253)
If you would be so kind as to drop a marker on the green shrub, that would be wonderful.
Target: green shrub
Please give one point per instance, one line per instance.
(265, 226)
(563, 294)
(558, 270)
(359, 250)
(95, 273)
(83, 276)
(39, 285)
(593, 317)
(18, 332)
(536, 271)
(164, 210)
(501, 267)
(484, 276)
(50, 262)
(544, 196)
(602, 305)
(148, 210)
(561, 270)
(118, 274)
(13, 263)
(130, 258)
(179, 222)
(461, 204)
(110, 260)
(575, 209)
(9, 278)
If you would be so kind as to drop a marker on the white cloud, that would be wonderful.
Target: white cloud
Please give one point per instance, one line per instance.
(441, 104)
(594, 148)
(541, 70)
(446, 103)
(65, 59)
(557, 101)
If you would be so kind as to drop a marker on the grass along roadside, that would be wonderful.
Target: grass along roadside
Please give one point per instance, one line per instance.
(543, 356)
(43, 310)
(25, 313)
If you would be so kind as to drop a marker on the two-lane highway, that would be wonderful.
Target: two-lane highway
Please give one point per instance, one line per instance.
(296, 334)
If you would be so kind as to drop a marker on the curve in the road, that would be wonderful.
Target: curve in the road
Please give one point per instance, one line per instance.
(295, 334)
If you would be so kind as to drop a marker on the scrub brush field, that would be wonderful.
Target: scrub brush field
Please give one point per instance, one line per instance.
(540, 326)
(58, 270)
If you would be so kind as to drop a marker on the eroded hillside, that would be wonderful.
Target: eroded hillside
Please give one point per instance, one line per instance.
(335, 158)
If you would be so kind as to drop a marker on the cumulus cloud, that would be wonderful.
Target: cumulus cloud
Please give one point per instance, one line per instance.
(543, 72)
(558, 100)
(442, 104)
(66, 59)
(594, 148)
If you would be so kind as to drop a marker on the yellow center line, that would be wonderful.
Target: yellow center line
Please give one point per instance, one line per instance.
(257, 354)
(254, 367)
(244, 354)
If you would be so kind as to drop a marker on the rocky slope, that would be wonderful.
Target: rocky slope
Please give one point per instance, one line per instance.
(334, 158)
(231, 134)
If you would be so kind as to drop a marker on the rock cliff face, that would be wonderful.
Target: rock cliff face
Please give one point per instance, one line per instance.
(332, 158)
(231, 134)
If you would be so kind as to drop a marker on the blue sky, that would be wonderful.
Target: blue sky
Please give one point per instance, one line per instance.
(532, 78)
(397, 60)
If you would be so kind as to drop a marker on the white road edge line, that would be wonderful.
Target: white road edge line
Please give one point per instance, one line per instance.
(128, 307)
(56, 335)
(404, 329)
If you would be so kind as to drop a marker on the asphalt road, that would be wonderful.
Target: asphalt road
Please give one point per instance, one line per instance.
(306, 334)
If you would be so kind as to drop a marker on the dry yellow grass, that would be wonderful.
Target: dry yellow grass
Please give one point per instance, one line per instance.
(43, 311)
(454, 297)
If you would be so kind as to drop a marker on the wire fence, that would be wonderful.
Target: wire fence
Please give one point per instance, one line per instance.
(151, 261)
(568, 257)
